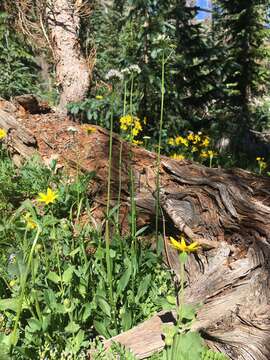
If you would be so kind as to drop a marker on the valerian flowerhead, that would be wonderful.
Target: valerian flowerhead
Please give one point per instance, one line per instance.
(114, 74)
(3, 133)
(182, 246)
(48, 198)
(135, 69)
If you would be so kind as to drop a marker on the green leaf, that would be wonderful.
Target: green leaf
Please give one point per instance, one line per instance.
(122, 284)
(9, 304)
(55, 278)
(34, 325)
(72, 327)
(143, 287)
(187, 312)
(140, 231)
(101, 328)
(171, 299)
(126, 320)
(67, 275)
(188, 346)
(104, 306)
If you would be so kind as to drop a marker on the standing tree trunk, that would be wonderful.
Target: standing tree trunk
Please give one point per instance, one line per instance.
(72, 69)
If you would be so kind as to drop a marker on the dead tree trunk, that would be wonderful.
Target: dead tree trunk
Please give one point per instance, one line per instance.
(72, 70)
(226, 210)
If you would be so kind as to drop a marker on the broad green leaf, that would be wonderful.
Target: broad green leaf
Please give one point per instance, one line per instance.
(67, 275)
(187, 346)
(34, 325)
(54, 277)
(143, 287)
(9, 304)
(104, 306)
(171, 299)
(122, 284)
(72, 327)
(101, 329)
(126, 320)
(187, 312)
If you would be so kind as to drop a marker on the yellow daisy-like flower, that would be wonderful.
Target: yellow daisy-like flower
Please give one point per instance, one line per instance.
(137, 142)
(182, 246)
(89, 129)
(204, 154)
(3, 133)
(30, 223)
(211, 153)
(171, 142)
(197, 139)
(205, 142)
(49, 197)
(99, 97)
(178, 157)
(190, 137)
(180, 140)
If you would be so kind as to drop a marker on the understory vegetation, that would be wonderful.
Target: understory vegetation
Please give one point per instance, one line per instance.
(162, 80)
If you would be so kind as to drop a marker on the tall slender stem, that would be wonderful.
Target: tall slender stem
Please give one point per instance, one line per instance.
(107, 227)
(159, 143)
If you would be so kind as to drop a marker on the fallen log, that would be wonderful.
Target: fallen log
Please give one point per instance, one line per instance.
(228, 211)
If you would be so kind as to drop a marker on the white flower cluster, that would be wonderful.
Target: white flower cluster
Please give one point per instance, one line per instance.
(162, 39)
(131, 69)
(135, 69)
(114, 74)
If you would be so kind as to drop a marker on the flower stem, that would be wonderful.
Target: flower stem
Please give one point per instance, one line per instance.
(157, 203)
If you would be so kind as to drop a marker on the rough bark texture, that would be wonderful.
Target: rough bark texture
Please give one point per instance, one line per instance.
(72, 70)
(228, 211)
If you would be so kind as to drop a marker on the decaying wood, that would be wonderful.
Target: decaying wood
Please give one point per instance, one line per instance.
(228, 211)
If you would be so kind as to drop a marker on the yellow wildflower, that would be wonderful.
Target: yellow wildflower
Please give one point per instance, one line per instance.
(171, 142)
(30, 223)
(194, 149)
(3, 133)
(209, 153)
(262, 164)
(131, 123)
(180, 140)
(89, 129)
(190, 136)
(205, 142)
(182, 246)
(212, 153)
(197, 139)
(178, 157)
(99, 97)
(48, 197)
(204, 154)
(137, 142)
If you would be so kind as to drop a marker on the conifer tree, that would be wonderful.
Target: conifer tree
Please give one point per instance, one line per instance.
(242, 26)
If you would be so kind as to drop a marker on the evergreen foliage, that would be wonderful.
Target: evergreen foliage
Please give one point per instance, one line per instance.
(18, 70)
(242, 27)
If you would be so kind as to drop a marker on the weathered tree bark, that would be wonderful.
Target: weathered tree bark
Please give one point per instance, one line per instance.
(72, 69)
(227, 211)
